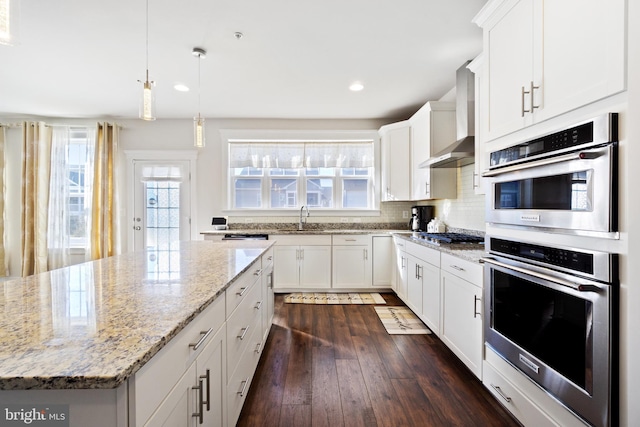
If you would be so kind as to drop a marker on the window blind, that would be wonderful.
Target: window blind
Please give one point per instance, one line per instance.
(308, 154)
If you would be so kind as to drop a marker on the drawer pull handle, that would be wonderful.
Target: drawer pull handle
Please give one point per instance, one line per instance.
(349, 240)
(455, 267)
(203, 338)
(270, 258)
(243, 333)
(244, 387)
(501, 393)
(258, 305)
(258, 346)
(200, 413)
(207, 377)
(242, 291)
(257, 272)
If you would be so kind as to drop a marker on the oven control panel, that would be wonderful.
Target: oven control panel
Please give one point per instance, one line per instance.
(565, 258)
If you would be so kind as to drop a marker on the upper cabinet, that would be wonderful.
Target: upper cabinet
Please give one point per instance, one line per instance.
(542, 58)
(433, 128)
(406, 144)
(395, 143)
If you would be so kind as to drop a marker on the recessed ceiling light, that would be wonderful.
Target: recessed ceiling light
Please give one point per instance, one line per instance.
(181, 87)
(356, 87)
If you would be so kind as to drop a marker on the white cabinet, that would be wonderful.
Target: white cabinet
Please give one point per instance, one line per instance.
(401, 267)
(395, 142)
(351, 261)
(381, 253)
(480, 163)
(433, 128)
(542, 58)
(164, 391)
(302, 262)
(267, 289)
(423, 293)
(461, 308)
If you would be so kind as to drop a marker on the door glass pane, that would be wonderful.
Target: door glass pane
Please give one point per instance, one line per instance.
(162, 214)
(320, 193)
(283, 193)
(355, 193)
(248, 193)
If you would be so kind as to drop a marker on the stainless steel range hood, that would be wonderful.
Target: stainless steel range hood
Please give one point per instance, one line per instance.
(461, 152)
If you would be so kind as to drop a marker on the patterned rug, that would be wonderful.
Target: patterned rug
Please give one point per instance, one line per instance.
(401, 321)
(333, 298)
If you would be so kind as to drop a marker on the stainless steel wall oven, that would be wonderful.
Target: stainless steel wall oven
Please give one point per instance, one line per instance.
(565, 181)
(551, 313)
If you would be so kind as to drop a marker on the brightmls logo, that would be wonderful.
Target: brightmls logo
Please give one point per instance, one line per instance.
(35, 415)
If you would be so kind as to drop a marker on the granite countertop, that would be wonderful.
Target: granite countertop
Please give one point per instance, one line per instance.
(469, 252)
(294, 231)
(92, 325)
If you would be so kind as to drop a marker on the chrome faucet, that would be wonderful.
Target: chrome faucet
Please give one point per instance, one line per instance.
(301, 224)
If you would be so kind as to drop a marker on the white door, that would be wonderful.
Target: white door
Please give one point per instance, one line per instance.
(162, 203)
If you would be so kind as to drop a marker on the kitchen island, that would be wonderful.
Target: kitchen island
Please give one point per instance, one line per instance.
(78, 335)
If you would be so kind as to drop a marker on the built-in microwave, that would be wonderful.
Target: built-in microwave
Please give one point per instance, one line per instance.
(566, 180)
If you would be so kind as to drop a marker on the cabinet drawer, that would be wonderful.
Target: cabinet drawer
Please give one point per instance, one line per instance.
(267, 258)
(240, 381)
(157, 377)
(245, 320)
(400, 243)
(432, 256)
(351, 239)
(301, 239)
(466, 270)
(512, 399)
(241, 287)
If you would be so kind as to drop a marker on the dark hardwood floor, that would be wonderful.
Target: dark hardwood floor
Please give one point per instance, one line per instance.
(335, 365)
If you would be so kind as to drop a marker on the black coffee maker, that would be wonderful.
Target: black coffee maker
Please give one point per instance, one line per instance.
(420, 217)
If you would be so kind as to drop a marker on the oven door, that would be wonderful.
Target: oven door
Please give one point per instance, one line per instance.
(575, 192)
(556, 329)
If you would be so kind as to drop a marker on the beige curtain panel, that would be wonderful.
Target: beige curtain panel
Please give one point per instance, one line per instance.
(3, 258)
(103, 239)
(36, 161)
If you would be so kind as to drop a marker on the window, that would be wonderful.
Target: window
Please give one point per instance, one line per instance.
(289, 174)
(78, 150)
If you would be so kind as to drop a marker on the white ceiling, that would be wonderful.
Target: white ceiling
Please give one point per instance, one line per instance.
(82, 58)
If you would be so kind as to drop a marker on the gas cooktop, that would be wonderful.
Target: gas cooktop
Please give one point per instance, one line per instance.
(448, 238)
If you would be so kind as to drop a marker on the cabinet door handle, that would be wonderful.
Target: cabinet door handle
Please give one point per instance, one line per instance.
(258, 305)
(455, 267)
(242, 291)
(475, 306)
(207, 377)
(270, 280)
(533, 106)
(244, 387)
(200, 413)
(419, 268)
(203, 338)
(522, 110)
(402, 263)
(501, 393)
(297, 254)
(243, 333)
(302, 254)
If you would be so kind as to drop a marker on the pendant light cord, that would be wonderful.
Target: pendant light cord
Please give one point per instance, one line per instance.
(147, 42)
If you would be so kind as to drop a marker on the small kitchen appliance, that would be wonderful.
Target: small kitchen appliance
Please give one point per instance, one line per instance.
(420, 217)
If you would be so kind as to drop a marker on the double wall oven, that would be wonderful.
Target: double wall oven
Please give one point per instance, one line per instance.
(551, 310)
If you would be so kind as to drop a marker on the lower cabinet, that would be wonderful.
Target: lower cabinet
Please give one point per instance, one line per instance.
(383, 271)
(401, 268)
(303, 262)
(423, 284)
(199, 397)
(202, 376)
(461, 308)
(351, 261)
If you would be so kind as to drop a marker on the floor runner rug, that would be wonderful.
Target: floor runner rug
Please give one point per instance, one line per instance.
(401, 320)
(334, 298)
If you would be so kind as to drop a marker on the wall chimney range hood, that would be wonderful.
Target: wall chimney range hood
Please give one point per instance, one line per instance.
(461, 152)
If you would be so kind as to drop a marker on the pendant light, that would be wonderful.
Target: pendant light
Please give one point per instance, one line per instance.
(198, 121)
(148, 101)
